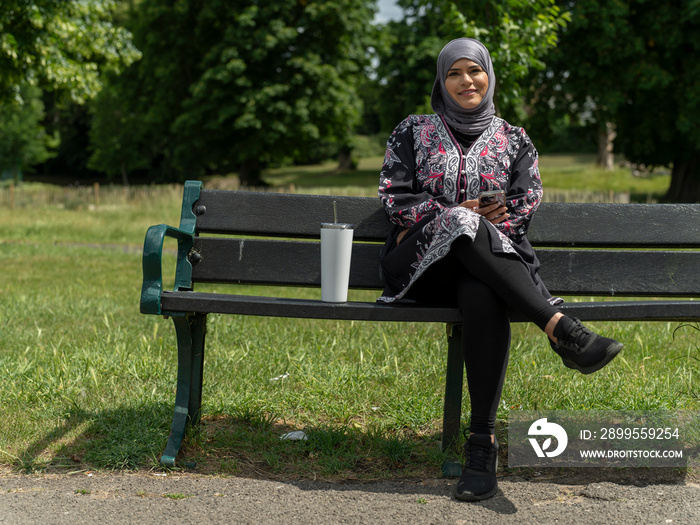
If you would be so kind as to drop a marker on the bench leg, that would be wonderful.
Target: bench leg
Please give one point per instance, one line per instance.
(453, 401)
(190, 332)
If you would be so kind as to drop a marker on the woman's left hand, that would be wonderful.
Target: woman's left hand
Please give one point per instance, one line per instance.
(494, 213)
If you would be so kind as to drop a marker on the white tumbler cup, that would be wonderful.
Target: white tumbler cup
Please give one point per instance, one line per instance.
(336, 251)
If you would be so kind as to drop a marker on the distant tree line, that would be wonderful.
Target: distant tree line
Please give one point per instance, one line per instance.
(165, 90)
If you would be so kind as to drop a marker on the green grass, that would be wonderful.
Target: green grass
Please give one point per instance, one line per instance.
(88, 382)
(578, 173)
(573, 176)
(177, 496)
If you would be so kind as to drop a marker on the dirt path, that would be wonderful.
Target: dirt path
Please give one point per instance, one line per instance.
(195, 499)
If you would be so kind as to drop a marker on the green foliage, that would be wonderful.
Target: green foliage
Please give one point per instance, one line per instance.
(222, 89)
(518, 34)
(71, 121)
(23, 140)
(633, 63)
(60, 45)
(58, 51)
(117, 134)
(658, 123)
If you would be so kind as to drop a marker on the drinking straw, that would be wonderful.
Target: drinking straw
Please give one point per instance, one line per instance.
(335, 214)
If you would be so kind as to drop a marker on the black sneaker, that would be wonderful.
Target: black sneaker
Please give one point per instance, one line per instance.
(478, 479)
(582, 349)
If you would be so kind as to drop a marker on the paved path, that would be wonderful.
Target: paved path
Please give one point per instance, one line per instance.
(108, 499)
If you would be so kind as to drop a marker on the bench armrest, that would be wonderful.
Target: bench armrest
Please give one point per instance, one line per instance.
(152, 287)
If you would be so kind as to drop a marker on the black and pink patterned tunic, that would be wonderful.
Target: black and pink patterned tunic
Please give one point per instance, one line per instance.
(427, 173)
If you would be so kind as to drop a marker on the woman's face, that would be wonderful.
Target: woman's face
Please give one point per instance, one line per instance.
(467, 83)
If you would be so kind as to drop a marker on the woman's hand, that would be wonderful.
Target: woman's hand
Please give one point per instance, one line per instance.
(401, 236)
(494, 213)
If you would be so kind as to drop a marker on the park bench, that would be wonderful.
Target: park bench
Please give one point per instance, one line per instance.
(643, 260)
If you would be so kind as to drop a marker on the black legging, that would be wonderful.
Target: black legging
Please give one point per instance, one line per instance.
(490, 284)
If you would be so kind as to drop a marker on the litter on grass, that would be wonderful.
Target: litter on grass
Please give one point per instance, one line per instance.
(298, 435)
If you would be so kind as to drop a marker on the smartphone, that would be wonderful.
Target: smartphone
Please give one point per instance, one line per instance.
(489, 197)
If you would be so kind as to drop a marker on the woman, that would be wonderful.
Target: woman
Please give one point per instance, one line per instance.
(446, 248)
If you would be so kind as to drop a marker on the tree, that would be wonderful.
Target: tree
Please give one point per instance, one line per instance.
(518, 34)
(57, 51)
(581, 82)
(633, 63)
(657, 124)
(23, 140)
(226, 88)
(119, 152)
(59, 45)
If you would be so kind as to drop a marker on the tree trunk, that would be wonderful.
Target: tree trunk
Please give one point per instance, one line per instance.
(125, 175)
(606, 137)
(16, 173)
(685, 181)
(250, 174)
(345, 161)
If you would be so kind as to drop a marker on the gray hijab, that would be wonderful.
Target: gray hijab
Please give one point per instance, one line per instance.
(469, 121)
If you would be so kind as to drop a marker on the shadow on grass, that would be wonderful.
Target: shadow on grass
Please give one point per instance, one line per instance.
(126, 438)
(254, 444)
(246, 444)
(249, 444)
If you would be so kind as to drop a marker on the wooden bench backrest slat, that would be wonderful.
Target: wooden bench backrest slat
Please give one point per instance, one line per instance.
(642, 225)
(255, 261)
(584, 225)
(284, 215)
(566, 272)
(621, 272)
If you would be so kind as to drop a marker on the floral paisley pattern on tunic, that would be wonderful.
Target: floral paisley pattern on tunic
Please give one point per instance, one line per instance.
(426, 175)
